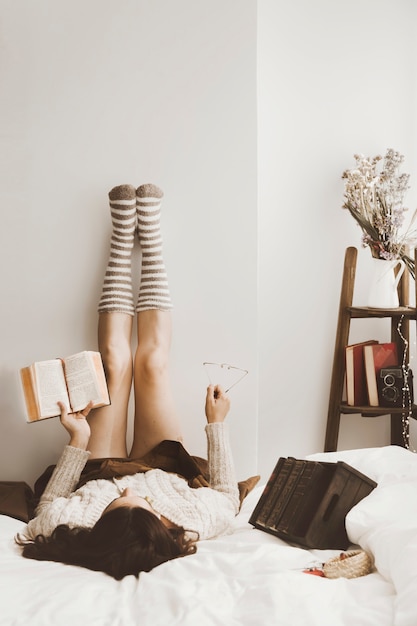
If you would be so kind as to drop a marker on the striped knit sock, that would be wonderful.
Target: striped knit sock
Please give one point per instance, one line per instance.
(153, 290)
(117, 294)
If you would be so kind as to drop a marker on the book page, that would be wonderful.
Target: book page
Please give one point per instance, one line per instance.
(81, 380)
(51, 386)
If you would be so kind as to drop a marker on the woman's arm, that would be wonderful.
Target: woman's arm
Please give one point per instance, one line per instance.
(73, 459)
(52, 508)
(222, 475)
(65, 476)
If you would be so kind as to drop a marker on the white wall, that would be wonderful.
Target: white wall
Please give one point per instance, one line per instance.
(97, 93)
(335, 79)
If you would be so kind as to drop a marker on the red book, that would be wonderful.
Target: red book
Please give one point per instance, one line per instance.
(356, 387)
(376, 357)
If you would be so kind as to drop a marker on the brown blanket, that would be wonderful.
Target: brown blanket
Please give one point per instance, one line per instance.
(16, 500)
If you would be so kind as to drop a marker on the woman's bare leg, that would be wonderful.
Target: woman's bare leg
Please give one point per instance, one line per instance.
(155, 414)
(109, 424)
(156, 418)
(116, 310)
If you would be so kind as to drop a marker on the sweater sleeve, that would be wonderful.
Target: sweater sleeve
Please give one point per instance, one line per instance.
(53, 501)
(221, 468)
(65, 476)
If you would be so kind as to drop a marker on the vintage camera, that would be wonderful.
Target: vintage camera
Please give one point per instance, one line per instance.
(391, 384)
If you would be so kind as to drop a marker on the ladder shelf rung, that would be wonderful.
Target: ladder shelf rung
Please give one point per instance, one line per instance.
(376, 411)
(363, 312)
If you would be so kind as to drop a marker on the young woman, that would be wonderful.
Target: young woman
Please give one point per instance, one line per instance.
(144, 507)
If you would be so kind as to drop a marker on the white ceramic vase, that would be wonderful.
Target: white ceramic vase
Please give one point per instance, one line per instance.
(383, 293)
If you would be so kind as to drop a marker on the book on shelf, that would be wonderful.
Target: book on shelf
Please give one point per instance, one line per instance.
(376, 357)
(74, 380)
(356, 387)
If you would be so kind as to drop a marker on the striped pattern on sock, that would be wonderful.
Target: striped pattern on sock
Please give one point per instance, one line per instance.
(117, 293)
(153, 291)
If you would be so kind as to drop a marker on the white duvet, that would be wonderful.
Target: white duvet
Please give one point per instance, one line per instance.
(247, 578)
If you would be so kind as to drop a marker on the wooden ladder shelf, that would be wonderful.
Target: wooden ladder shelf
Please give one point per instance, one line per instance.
(347, 312)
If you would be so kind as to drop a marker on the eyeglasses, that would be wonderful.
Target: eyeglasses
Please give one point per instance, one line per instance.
(225, 367)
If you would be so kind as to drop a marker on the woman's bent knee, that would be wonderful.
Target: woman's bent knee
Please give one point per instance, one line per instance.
(151, 365)
(117, 361)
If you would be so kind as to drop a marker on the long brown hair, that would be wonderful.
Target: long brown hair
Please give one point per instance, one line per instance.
(123, 541)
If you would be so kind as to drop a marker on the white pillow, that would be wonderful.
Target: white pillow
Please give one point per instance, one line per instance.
(385, 522)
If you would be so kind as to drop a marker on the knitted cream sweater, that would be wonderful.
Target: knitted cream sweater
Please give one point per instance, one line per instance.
(207, 510)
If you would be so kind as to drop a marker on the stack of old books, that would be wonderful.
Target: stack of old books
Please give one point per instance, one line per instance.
(375, 376)
(306, 502)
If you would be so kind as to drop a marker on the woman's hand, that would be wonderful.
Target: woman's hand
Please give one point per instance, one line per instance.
(217, 404)
(76, 425)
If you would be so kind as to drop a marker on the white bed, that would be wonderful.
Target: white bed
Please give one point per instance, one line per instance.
(247, 578)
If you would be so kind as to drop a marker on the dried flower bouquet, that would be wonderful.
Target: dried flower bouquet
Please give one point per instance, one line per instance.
(374, 196)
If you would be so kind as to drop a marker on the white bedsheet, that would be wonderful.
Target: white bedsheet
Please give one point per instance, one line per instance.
(247, 578)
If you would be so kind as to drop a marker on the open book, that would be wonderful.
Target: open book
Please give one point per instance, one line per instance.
(75, 381)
